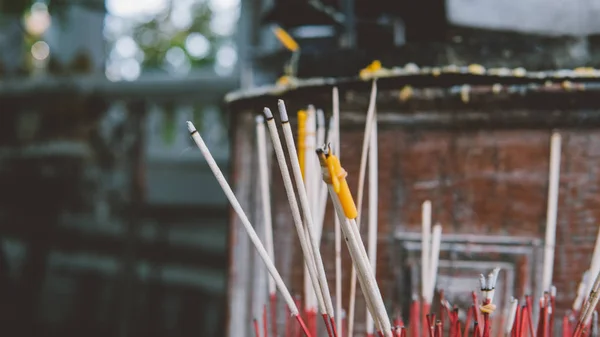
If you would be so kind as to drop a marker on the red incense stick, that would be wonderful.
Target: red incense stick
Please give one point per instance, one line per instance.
(540, 323)
(298, 300)
(546, 306)
(273, 307)
(265, 323)
(303, 326)
(414, 318)
(470, 314)
(438, 329)
(476, 330)
(311, 318)
(529, 317)
(566, 328)
(523, 332)
(326, 321)
(256, 327)
(515, 328)
(333, 327)
(288, 325)
(552, 311)
(426, 308)
(476, 313)
(443, 308)
(398, 319)
(430, 324)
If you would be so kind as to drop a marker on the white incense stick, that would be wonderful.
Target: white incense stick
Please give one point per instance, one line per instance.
(337, 229)
(512, 313)
(358, 254)
(320, 132)
(240, 212)
(345, 224)
(310, 177)
(436, 239)
(581, 294)
(289, 190)
(361, 183)
(304, 203)
(265, 192)
(555, 149)
(373, 214)
(591, 303)
(320, 196)
(425, 248)
(595, 264)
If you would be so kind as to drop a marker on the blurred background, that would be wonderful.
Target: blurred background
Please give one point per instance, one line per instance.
(111, 224)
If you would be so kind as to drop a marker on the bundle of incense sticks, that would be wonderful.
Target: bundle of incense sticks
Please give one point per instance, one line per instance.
(313, 175)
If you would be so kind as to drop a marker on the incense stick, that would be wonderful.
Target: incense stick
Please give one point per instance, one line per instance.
(319, 199)
(554, 176)
(488, 289)
(297, 219)
(425, 263)
(304, 203)
(348, 235)
(581, 292)
(361, 182)
(320, 193)
(590, 305)
(372, 212)
(595, 263)
(321, 284)
(246, 223)
(434, 261)
(337, 230)
(425, 247)
(256, 327)
(342, 200)
(266, 208)
(512, 314)
(309, 188)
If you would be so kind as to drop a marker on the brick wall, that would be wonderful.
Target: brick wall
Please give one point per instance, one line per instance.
(491, 182)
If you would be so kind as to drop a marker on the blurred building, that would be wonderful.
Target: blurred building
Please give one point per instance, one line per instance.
(110, 222)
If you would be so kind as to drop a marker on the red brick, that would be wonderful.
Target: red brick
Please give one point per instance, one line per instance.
(486, 182)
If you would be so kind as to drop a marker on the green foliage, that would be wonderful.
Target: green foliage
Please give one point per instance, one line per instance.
(155, 37)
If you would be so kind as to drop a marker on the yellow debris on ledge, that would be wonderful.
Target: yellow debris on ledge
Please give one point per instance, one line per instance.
(287, 81)
(371, 70)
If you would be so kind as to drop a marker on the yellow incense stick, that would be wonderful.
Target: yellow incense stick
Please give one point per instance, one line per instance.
(302, 116)
(286, 39)
(340, 186)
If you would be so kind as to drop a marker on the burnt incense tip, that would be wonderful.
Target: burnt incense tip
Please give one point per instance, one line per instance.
(282, 111)
(191, 127)
(482, 282)
(268, 113)
(259, 119)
